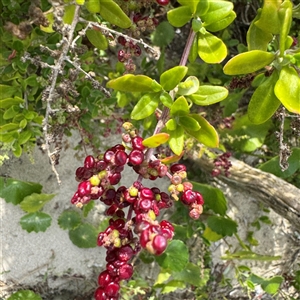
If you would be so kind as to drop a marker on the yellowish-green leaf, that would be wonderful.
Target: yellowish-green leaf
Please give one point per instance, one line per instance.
(176, 141)
(207, 134)
(180, 107)
(211, 49)
(145, 107)
(35, 202)
(24, 137)
(223, 23)
(179, 16)
(93, 6)
(171, 124)
(287, 89)
(209, 94)
(248, 62)
(210, 235)
(172, 159)
(264, 103)
(131, 83)
(189, 123)
(156, 140)
(170, 78)
(112, 13)
(189, 86)
(192, 4)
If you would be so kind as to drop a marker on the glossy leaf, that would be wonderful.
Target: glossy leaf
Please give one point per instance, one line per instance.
(163, 34)
(222, 225)
(69, 12)
(36, 222)
(207, 134)
(24, 137)
(11, 112)
(145, 107)
(287, 89)
(156, 140)
(264, 103)
(192, 4)
(171, 124)
(202, 8)
(17, 149)
(69, 220)
(84, 236)
(189, 123)
(194, 50)
(213, 197)
(172, 159)
(176, 141)
(210, 235)
(210, 94)
(170, 78)
(166, 99)
(112, 13)
(191, 274)
(189, 86)
(175, 258)
(211, 49)
(269, 20)
(97, 39)
(35, 202)
(14, 191)
(257, 39)
(217, 10)
(93, 6)
(131, 83)
(223, 23)
(179, 16)
(6, 91)
(180, 107)
(248, 62)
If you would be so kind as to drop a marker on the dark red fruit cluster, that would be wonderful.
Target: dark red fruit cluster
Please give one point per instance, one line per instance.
(222, 163)
(128, 51)
(143, 23)
(125, 237)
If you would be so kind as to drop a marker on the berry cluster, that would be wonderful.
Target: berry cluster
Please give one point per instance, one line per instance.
(142, 24)
(125, 237)
(222, 162)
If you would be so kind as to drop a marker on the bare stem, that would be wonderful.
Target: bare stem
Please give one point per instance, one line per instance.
(49, 94)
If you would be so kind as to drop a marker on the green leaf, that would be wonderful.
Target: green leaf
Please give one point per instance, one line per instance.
(14, 191)
(264, 103)
(258, 39)
(179, 16)
(191, 274)
(221, 24)
(207, 134)
(272, 166)
(163, 34)
(69, 14)
(7, 91)
(170, 78)
(36, 222)
(111, 12)
(189, 123)
(287, 89)
(11, 112)
(87, 208)
(269, 20)
(131, 83)
(180, 107)
(166, 99)
(23, 123)
(209, 94)
(156, 140)
(171, 124)
(175, 258)
(176, 141)
(192, 4)
(189, 86)
(8, 102)
(145, 107)
(213, 197)
(162, 277)
(249, 255)
(248, 62)
(69, 219)
(97, 39)
(24, 295)
(24, 137)
(217, 11)
(35, 202)
(84, 236)
(93, 6)
(194, 50)
(202, 8)
(8, 127)
(17, 149)
(211, 49)
(210, 235)
(222, 225)
(172, 286)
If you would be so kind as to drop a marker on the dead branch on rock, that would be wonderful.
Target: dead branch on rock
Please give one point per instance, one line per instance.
(274, 192)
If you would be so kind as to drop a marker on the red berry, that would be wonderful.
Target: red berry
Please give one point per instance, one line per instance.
(121, 40)
(114, 178)
(188, 197)
(125, 271)
(137, 50)
(100, 165)
(159, 244)
(125, 253)
(104, 279)
(145, 205)
(177, 168)
(100, 294)
(84, 188)
(89, 162)
(121, 55)
(136, 157)
(112, 289)
(199, 199)
(146, 193)
(120, 158)
(163, 2)
(136, 143)
(109, 156)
